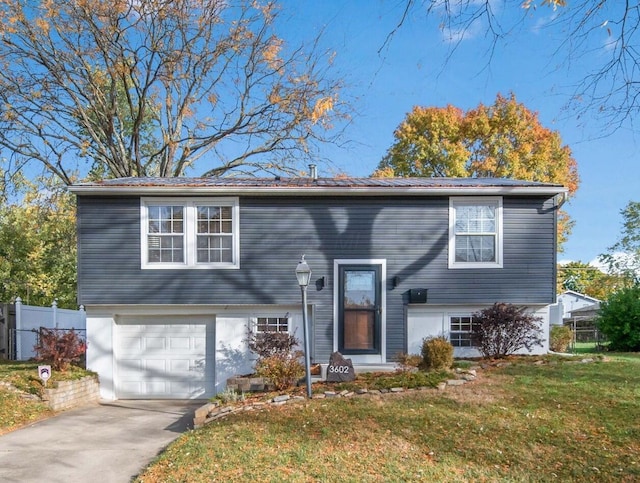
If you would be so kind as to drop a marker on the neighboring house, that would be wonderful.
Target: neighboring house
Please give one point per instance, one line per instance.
(583, 322)
(587, 313)
(568, 302)
(173, 271)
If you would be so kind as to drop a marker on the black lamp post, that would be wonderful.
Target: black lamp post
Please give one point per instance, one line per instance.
(303, 274)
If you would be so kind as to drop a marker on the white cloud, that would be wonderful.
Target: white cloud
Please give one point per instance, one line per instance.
(542, 22)
(469, 18)
(454, 36)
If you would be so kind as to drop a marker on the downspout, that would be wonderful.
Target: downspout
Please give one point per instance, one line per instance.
(563, 198)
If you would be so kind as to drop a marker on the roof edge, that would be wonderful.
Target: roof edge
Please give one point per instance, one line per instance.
(316, 191)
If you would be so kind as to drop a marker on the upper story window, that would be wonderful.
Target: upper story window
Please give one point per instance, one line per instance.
(475, 232)
(190, 233)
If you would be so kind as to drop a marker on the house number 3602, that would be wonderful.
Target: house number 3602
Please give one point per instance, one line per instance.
(339, 369)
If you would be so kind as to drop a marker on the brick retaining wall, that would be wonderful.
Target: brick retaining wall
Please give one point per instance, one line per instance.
(69, 394)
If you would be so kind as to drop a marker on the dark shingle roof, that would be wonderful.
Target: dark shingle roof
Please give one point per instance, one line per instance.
(344, 185)
(320, 182)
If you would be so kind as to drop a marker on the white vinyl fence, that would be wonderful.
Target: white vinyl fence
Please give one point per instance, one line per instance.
(29, 319)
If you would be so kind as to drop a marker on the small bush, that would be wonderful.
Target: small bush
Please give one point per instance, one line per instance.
(560, 336)
(266, 344)
(278, 361)
(437, 353)
(504, 329)
(619, 319)
(409, 362)
(283, 370)
(230, 396)
(59, 347)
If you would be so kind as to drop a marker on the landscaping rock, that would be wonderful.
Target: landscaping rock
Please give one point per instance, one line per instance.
(455, 382)
(340, 369)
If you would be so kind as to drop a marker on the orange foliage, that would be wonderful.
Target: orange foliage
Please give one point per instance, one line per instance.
(503, 140)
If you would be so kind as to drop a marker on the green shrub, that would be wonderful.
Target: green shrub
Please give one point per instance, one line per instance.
(619, 319)
(437, 353)
(230, 396)
(503, 329)
(560, 336)
(282, 369)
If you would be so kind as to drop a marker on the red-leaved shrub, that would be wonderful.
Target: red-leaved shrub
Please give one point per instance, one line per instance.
(278, 360)
(504, 329)
(59, 347)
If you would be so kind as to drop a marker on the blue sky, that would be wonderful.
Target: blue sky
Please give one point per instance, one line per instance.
(384, 81)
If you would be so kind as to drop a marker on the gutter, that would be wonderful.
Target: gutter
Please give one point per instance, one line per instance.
(307, 191)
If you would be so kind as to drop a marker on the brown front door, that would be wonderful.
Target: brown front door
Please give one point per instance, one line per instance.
(359, 309)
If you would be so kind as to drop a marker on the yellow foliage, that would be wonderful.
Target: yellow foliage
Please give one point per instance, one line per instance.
(42, 24)
(129, 71)
(502, 140)
(549, 3)
(321, 108)
(384, 172)
(274, 96)
(271, 53)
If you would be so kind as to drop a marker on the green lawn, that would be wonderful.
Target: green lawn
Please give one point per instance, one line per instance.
(585, 348)
(15, 410)
(561, 421)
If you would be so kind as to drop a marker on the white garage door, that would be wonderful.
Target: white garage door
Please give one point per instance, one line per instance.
(158, 358)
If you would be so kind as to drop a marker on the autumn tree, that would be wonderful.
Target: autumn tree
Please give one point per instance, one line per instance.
(38, 243)
(587, 279)
(604, 32)
(503, 140)
(623, 258)
(157, 88)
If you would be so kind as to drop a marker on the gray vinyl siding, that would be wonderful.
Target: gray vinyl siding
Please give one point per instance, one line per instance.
(410, 233)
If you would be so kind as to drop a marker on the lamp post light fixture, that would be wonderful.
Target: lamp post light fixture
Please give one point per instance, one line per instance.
(303, 274)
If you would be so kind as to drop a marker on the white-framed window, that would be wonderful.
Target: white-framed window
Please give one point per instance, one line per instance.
(272, 324)
(475, 232)
(461, 330)
(184, 233)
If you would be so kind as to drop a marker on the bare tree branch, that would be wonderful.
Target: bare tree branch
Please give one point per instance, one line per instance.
(603, 31)
(160, 88)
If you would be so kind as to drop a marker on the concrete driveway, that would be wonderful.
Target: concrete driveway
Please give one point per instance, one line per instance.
(109, 442)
